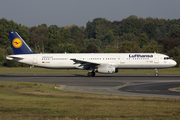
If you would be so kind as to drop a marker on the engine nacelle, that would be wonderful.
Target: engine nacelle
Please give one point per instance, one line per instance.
(106, 69)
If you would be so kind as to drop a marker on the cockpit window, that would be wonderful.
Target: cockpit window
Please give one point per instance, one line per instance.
(167, 58)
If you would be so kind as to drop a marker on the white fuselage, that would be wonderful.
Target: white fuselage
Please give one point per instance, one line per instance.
(118, 60)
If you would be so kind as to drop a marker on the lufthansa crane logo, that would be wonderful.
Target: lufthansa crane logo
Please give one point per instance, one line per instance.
(17, 43)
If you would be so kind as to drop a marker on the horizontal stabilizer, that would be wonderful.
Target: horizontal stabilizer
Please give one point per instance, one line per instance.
(14, 57)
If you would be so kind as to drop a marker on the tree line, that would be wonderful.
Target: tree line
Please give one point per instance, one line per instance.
(130, 35)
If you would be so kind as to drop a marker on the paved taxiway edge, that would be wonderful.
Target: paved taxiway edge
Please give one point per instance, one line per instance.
(174, 89)
(114, 92)
(144, 86)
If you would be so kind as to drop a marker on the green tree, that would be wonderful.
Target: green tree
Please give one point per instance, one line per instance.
(153, 47)
(25, 34)
(2, 56)
(43, 25)
(97, 42)
(132, 25)
(128, 37)
(136, 49)
(53, 31)
(149, 28)
(4, 40)
(97, 28)
(79, 40)
(175, 54)
(92, 48)
(2, 51)
(89, 32)
(169, 43)
(65, 33)
(105, 43)
(2, 60)
(9, 51)
(109, 36)
(143, 40)
(74, 29)
(100, 32)
(160, 33)
(39, 38)
(128, 46)
(54, 39)
(133, 17)
(174, 31)
(71, 48)
(110, 49)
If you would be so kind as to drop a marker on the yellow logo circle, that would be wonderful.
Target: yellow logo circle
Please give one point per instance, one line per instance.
(17, 43)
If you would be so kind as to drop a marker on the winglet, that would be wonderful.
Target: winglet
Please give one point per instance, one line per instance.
(18, 44)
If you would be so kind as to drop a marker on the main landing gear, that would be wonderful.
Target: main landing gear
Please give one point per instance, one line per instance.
(91, 74)
(156, 74)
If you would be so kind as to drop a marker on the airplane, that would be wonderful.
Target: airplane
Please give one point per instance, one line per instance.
(95, 62)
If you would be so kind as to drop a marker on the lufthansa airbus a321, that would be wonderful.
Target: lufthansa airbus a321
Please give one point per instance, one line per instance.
(95, 62)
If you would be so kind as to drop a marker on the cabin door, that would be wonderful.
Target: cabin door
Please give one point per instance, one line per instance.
(156, 59)
(35, 59)
(122, 61)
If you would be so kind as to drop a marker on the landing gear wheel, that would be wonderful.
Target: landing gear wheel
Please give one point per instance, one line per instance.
(156, 74)
(91, 74)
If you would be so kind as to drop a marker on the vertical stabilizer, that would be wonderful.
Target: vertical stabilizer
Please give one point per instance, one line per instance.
(18, 44)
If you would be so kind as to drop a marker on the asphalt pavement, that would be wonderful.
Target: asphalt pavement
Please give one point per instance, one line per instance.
(131, 85)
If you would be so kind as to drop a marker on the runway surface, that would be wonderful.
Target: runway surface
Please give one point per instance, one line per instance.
(147, 86)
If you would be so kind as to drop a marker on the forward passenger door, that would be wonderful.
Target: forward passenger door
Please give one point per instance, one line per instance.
(156, 59)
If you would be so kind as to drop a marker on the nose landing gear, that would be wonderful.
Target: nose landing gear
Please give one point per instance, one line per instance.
(156, 74)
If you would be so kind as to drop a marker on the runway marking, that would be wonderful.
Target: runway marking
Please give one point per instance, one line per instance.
(110, 89)
(146, 90)
(128, 90)
(116, 89)
(120, 90)
(122, 86)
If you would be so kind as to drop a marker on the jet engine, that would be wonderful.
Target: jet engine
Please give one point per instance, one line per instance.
(106, 69)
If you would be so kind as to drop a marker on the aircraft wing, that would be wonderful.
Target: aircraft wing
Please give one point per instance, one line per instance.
(85, 64)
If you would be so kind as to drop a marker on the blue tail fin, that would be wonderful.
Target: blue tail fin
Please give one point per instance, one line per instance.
(18, 44)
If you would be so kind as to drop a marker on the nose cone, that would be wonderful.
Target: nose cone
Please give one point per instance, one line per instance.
(174, 63)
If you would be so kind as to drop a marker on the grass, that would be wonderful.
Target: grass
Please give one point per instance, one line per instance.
(36, 70)
(178, 89)
(20, 100)
(37, 101)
